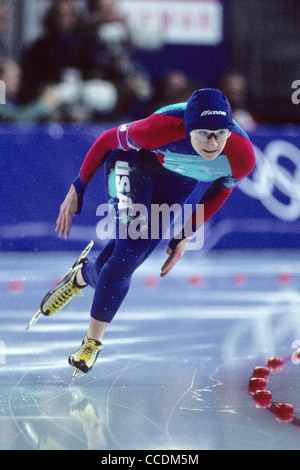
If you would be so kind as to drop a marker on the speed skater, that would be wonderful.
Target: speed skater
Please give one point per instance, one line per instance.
(162, 159)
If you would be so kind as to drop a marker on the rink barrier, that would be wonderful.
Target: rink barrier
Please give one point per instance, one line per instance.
(40, 162)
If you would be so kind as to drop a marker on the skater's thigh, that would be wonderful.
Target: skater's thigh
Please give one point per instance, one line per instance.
(127, 180)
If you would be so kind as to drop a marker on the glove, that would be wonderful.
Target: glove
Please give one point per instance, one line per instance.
(80, 187)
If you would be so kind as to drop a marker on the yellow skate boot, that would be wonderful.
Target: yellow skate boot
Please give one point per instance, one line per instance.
(85, 357)
(65, 291)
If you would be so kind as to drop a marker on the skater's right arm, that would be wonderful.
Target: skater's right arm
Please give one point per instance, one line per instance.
(73, 201)
(67, 211)
(149, 133)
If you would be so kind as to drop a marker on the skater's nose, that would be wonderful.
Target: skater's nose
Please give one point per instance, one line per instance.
(212, 143)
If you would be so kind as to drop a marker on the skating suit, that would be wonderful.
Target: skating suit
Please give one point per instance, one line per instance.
(160, 166)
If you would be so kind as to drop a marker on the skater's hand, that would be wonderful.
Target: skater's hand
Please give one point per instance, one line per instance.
(174, 256)
(67, 211)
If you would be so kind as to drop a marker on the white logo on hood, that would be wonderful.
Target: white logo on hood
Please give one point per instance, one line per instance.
(208, 112)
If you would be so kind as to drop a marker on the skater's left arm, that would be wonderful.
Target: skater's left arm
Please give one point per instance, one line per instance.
(175, 255)
(240, 153)
(212, 200)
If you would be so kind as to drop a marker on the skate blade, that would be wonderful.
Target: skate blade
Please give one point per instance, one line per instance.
(83, 255)
(87, 250)
(33, 320)
(77, 374)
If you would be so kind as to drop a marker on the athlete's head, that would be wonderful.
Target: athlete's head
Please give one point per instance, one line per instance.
(208, 120)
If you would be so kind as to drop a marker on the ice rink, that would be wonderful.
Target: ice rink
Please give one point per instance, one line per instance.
(175, 369)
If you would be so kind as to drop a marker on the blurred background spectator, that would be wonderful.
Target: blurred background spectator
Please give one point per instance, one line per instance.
(90, 55)
(85, 100)
(39, 110)
(116, 59)
(234, 85)
(106, 47)
(6, 19)
(114, 47)
(174, 87)
(67, 42)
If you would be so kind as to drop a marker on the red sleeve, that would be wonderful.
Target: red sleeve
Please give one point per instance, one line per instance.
(96, 155)
(240, 153)
(156, 130)
(149, 133)
(213, 204)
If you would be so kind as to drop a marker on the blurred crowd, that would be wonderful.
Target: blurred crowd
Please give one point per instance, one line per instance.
(84, 68)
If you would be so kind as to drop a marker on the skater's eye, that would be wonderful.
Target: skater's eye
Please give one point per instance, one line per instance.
(205, 135)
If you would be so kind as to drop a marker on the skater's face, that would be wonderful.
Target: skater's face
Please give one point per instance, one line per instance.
(209, 144)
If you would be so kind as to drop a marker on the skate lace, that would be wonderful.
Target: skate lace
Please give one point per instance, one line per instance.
(88, 351)
(62, 297)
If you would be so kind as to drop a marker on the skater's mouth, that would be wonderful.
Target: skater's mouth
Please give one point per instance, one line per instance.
(210, 154)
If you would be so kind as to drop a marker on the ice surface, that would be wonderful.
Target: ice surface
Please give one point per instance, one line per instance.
(176, 362)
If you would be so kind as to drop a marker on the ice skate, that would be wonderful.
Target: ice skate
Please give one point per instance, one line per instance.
(59, 297)
(85, 357)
